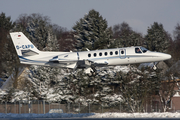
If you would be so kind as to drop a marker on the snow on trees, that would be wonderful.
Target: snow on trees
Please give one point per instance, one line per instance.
(91, 32)
(132, 88)
(40, 32)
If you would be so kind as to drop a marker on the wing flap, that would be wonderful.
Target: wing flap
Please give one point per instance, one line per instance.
(102, 62)
(90, 62)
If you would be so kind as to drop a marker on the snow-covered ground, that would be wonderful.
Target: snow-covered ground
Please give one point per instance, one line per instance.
(93, 115)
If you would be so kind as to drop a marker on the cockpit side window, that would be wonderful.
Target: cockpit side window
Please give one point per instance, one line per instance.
(144, 49)
(137, 50)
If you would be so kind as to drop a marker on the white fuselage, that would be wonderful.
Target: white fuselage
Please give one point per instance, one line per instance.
(29, 54)
(111, 57)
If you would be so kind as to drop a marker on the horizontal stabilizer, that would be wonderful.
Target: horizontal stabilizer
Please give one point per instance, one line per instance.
(28, 53)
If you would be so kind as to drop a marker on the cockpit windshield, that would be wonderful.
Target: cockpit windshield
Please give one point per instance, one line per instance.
(143, 49)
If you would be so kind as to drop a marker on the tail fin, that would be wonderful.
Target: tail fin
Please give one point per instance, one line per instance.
(23, 45)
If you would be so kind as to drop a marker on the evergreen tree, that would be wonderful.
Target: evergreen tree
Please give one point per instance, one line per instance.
(5, 22)
(8, 57)
(91, 31)
(157, 38)
(177, 32)
(174, 48)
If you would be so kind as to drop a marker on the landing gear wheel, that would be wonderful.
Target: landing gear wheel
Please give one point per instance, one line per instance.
(92, 74)
(94, 71)
(91, 71)
(154, 67)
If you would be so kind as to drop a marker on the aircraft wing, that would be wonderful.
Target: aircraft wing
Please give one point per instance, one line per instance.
(65, 63)
(80, 63)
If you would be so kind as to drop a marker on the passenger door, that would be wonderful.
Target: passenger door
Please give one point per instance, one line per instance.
(122, 53)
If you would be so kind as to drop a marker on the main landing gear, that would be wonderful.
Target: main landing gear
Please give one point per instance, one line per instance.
(90, 71)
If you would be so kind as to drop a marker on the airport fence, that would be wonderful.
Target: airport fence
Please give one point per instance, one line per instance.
(42, 107)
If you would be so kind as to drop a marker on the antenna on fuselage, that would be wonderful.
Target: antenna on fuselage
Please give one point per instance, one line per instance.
(87, 49)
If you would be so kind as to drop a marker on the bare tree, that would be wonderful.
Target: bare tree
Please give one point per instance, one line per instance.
(124, 36)
(166, 91)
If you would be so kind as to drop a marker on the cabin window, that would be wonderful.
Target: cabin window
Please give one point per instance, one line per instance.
(144, 49)
(137, 50)
(100, 54)
(111, 53)
(116, 52)
(122, 52)
(105, 53)
(94, 54)
(89, 55)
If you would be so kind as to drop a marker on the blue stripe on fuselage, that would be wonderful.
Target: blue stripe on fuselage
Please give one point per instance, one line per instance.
(22, 59)
(114, 57)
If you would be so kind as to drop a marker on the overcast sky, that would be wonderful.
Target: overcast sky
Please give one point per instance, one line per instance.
(139, 14)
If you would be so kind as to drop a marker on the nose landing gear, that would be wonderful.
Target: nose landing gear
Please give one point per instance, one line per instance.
(154, 67)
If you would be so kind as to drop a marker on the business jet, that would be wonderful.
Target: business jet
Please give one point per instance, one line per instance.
(87, 60)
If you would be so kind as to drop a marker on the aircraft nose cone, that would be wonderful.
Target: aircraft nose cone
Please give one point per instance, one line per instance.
(167, 56)
(162, 56)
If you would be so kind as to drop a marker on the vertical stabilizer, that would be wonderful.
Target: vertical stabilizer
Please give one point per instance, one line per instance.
(23, 45)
